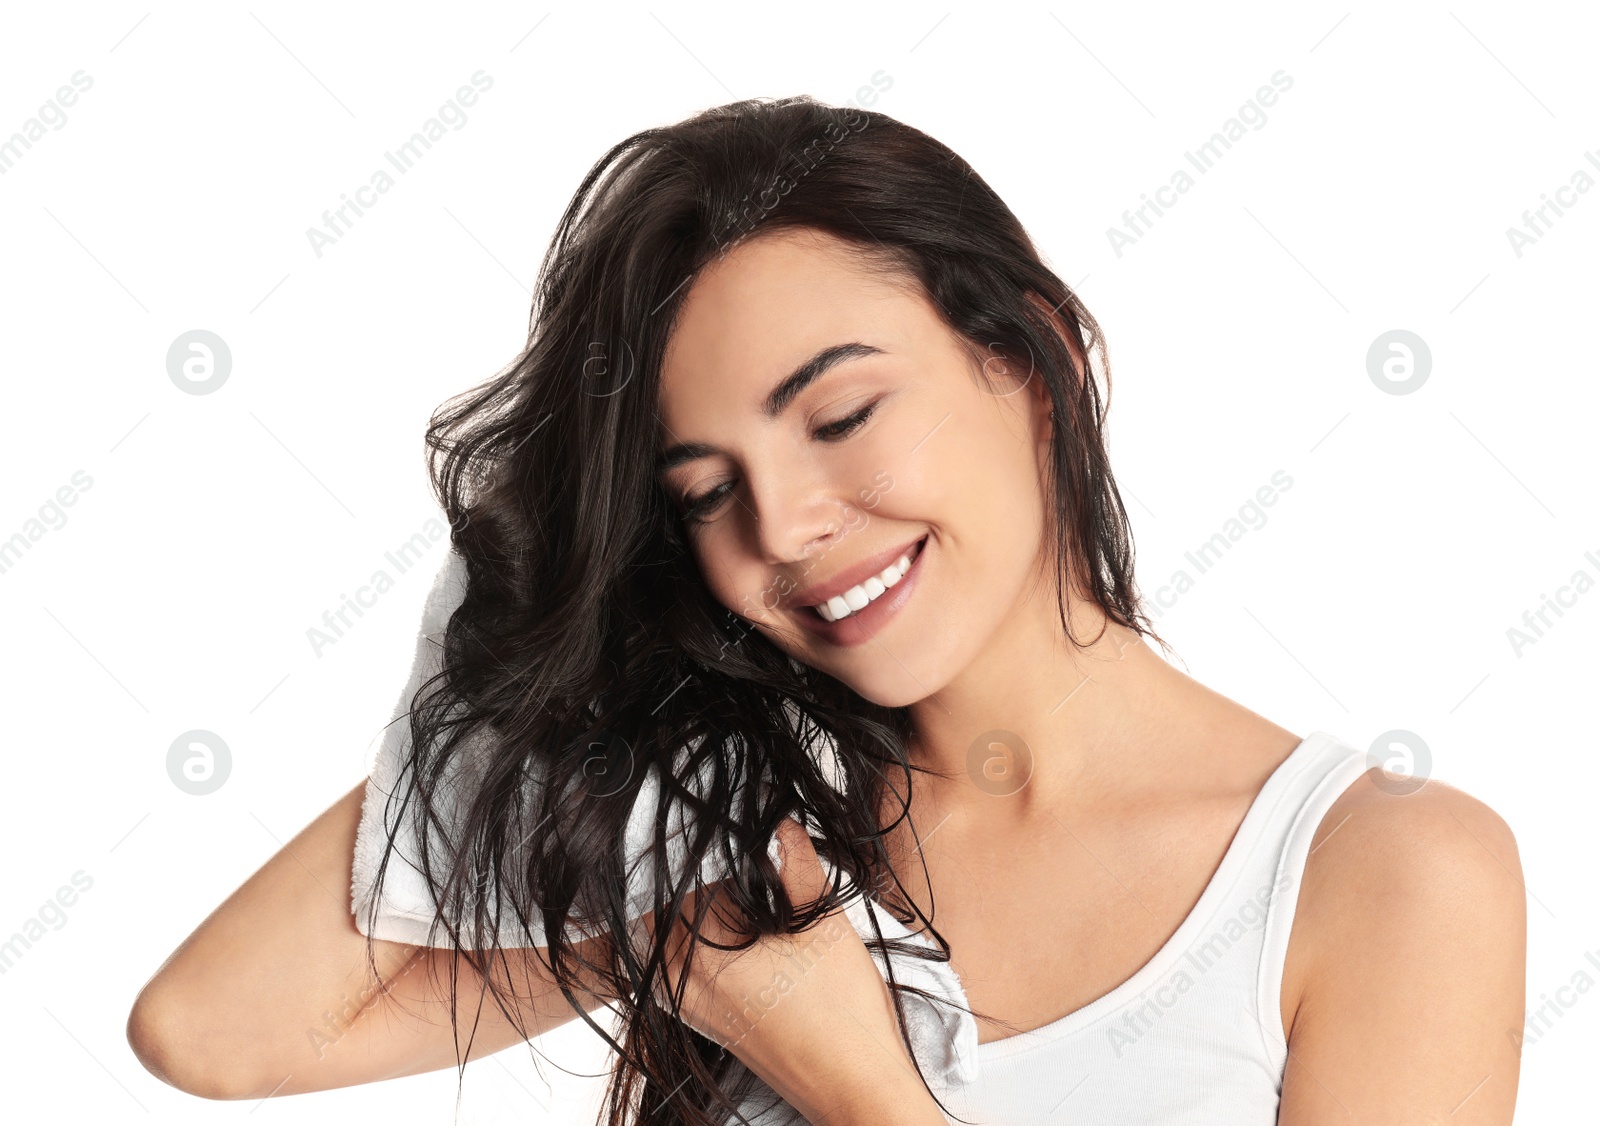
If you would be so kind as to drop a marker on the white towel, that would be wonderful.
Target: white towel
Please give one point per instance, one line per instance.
(407, 907)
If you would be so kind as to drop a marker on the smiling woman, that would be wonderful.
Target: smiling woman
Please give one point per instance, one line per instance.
(824, 610)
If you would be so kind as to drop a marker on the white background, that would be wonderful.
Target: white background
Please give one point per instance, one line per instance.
(219, 527)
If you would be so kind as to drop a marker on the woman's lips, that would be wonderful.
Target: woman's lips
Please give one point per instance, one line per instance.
(813, 594)
(863, 624)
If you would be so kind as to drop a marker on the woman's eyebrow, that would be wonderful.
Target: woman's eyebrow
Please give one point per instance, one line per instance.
(779, 398)
(684, 452)
(808, 372)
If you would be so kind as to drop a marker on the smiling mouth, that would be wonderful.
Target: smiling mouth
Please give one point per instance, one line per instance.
(869, 590)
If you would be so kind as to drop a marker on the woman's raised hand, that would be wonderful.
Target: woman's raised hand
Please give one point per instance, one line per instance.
(809, 1013)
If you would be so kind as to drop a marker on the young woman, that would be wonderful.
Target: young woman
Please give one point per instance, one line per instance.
(787, 694)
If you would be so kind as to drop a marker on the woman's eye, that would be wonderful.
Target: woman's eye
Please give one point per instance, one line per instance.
(700, 507)
(845, 425)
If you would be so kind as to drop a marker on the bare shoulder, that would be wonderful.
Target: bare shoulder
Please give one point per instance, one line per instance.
(1388, 841)
(1410, 927)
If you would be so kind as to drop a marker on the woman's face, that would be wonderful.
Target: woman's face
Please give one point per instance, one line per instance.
(822, 428)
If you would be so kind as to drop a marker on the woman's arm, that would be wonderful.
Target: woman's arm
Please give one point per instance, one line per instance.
(272, 993)
(1412, 1005)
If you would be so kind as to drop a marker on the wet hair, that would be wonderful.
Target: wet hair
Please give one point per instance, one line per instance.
(587, 651)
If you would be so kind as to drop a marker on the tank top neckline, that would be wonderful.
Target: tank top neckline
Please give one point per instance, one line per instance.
(1256, 817)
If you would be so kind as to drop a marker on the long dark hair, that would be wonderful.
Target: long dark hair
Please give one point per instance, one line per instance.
(587, 652)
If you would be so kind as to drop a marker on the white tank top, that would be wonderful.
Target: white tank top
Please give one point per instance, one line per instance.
(1195, 1036)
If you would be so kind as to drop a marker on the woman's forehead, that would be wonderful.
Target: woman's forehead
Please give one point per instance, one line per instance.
(769, 305)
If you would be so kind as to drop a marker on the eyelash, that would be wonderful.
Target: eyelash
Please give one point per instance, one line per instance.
(697, 508)
(835, 430)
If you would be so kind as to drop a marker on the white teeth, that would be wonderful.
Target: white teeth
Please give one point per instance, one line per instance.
(843, 605)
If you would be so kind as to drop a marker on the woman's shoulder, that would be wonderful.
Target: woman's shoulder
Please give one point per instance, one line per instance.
(1391, 840)
(1410, 930)
(1400, 879)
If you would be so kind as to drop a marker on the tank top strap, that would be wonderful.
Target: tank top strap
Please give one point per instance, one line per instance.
(1280, 857)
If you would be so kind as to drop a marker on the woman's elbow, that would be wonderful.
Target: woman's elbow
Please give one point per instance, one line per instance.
(168, 1048)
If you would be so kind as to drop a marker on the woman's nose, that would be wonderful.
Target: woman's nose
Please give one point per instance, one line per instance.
(794, 520)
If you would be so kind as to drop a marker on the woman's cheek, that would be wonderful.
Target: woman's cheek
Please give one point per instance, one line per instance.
(925, 484)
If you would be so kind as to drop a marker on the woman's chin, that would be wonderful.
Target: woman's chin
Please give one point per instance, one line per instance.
(897, 687)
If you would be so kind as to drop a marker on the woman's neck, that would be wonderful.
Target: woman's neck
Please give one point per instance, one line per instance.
(1045, 724)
